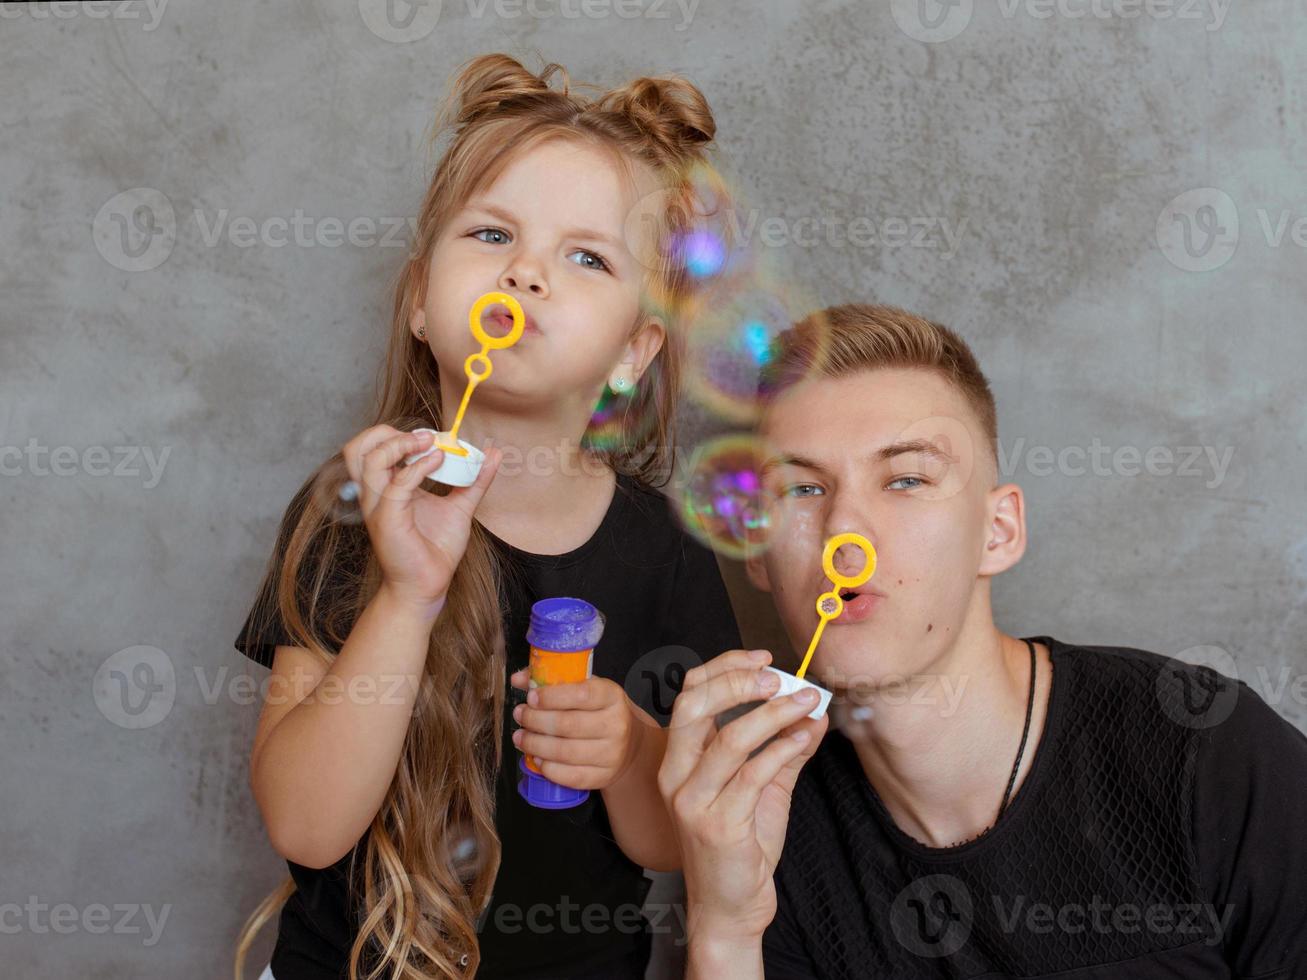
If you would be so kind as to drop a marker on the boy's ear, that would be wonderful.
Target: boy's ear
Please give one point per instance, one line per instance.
(1006, 541)
(756, 569)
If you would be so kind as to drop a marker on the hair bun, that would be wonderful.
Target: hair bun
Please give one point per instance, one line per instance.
(491, 79)
(670, 110)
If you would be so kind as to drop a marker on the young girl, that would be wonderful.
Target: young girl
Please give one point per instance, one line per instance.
(385, 760)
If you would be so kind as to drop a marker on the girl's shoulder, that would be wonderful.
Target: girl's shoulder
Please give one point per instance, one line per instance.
(645, 506)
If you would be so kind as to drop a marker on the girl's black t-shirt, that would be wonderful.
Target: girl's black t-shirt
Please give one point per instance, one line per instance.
(566, 901)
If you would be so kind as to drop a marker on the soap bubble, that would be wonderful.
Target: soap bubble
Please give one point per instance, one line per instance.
(728, 344)
(336, 494)
(460, 851)
(722, 499)
(617, 421)
(691, 234)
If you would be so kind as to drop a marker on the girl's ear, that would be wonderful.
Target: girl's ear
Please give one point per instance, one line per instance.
(417, 323)
(640, 351)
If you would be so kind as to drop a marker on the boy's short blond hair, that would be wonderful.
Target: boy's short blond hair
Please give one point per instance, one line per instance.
(841, 340)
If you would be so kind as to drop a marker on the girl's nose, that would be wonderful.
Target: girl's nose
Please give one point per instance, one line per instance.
(525, 276)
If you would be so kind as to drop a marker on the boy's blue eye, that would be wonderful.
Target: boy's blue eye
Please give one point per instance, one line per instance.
(590, 260)
(801, 490)
(920, 482)
(485, 235)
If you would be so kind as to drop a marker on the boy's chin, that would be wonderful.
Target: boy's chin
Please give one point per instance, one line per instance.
(864, 669)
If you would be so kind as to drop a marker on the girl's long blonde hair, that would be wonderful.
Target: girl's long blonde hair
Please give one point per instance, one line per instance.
(420, 894)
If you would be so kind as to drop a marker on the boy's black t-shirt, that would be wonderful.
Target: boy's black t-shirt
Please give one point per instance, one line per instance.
(1160, 833)
(566, 901)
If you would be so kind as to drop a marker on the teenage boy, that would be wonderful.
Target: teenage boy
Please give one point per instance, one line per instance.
(973, 804)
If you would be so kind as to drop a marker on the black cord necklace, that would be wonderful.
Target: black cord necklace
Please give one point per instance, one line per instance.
(1025, 733)
(1021, 751)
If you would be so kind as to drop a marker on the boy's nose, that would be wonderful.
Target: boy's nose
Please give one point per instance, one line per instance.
(849, 560)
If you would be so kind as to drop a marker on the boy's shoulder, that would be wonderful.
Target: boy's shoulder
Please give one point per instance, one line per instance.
(1196, 702)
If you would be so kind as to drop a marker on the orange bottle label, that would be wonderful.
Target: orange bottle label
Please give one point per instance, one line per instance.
(555, 667)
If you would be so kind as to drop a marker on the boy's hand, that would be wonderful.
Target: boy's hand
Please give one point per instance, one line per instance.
(584, 735)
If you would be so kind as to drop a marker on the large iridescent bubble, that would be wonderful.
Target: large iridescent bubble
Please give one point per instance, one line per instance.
(729, 343)
(722, 500)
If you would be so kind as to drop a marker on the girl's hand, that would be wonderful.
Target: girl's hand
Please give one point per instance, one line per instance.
(419, 537)
(730, 810)
(583, 735)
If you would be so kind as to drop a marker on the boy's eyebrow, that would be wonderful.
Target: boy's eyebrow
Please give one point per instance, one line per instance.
(885, 453)
(791, 459)
(923, 446)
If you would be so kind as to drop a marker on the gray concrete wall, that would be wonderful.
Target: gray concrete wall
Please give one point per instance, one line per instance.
(1054, 163)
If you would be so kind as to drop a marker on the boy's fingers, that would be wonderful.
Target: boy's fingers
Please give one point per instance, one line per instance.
(726, 690)
(694, 713)
(779, 763)
(728, 753)
(730, 660)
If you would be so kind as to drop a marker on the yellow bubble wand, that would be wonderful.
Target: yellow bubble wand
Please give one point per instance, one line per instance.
(829, 604)
(478, 366)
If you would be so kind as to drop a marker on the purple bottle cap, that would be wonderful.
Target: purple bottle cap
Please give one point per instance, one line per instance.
(544, 793)
(564, 625)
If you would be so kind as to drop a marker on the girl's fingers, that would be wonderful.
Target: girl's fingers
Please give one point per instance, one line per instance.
(728, 753)
(379, 461)
(469, 498)
(588, 695)
(570, 751)
(406, 482)
(694, 714)
(569, 724)
(576, 777)
(364, 442)
(778, 763)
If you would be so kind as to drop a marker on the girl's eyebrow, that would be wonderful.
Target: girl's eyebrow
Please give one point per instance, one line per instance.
(594, 236)
(589, 234)
(491, 209)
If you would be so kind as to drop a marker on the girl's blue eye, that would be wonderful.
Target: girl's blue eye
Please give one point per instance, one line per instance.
(920, 482)
(503, 238)
(800, 490)
(590, 260)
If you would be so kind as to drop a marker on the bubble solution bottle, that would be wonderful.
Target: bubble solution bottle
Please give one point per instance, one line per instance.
(563, 634)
